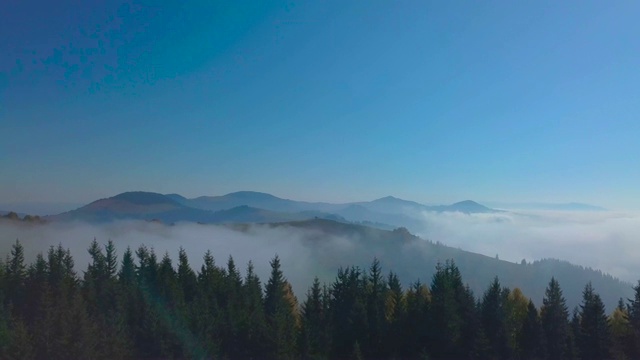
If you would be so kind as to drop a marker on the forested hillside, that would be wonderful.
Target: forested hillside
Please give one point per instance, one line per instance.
(143, 306)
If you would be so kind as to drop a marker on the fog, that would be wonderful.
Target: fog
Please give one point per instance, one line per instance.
(301, 260)
(609, 241)
(602, 240)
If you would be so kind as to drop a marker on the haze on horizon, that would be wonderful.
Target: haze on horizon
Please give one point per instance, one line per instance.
(433, 102)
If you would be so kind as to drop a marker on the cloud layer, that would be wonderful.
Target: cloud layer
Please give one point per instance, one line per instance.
(609, 241)
(300, 260)
(603, 240)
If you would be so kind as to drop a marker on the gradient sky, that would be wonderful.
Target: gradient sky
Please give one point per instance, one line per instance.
(434, 101)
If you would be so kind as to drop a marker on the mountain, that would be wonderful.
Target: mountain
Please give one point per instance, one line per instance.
(253, 199)
(135, 205)
(413, 258)
(385, 205)
(467, 207)
(573, 206)
(343, 243)
(178, 198)
(390, 204)
(138, 205)
(360, 213)
(386, 212)
(250, 206)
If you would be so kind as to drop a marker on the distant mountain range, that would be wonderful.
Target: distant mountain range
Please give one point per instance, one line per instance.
(362, 222)
(573, 206)
(140, 205)
(256, 207)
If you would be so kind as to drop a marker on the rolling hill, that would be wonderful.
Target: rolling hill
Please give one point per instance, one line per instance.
(413, 258)
(139, 205)
(384, 213)
(255, 207)
(385, 205)
(408, 255)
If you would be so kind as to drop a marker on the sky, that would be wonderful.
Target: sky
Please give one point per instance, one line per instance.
(433, 101)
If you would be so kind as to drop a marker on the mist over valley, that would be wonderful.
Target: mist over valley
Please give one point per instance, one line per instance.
(316, 239)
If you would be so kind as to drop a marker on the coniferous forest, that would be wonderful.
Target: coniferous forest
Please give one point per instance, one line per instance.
(138, 305)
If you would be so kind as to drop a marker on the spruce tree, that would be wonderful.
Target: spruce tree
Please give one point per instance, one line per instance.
(281, 314)
(395, 315)
(633, 309)
(530, 339)
(210, 287)
(253, 324)
(232, 304)
(20, 343)
(15, 274)
(620, 331)
(573, 343)
(555, 322)
(376, 294)
(595, 335)
(186, 277)
(493, 312)
(516, 312)
(453, 316)
(416, 326)
(348, 312)
(314, 337)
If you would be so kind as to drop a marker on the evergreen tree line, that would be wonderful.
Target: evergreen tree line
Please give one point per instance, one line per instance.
(140, 306)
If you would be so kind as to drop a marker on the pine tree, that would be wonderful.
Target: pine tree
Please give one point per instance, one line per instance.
(95, 281)
(348, 312)
(151, 309)
(253, 325)
(187, 310)
(633, 310)
(314, 337)
(127, 273)
(620, 331)
(555, 322)
(416, 326)
(172, 333)
(516, 312)
(595, 336)
(15, 274)
(20, 344)
(281, 315)
(573, 345)
(35, 284)
(530, 340)
(493, 310)
(471, 325)
(376, 294)
(453, 315)
(79, 336)
(207, 302)
(147, 318)
(232, 303)
(395, 315)
(186, 277)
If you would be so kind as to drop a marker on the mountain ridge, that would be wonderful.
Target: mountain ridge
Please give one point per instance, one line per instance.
(149, 206)
(252, 206)
(413, 257)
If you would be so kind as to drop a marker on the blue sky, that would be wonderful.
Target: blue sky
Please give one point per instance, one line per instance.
(431, 101)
